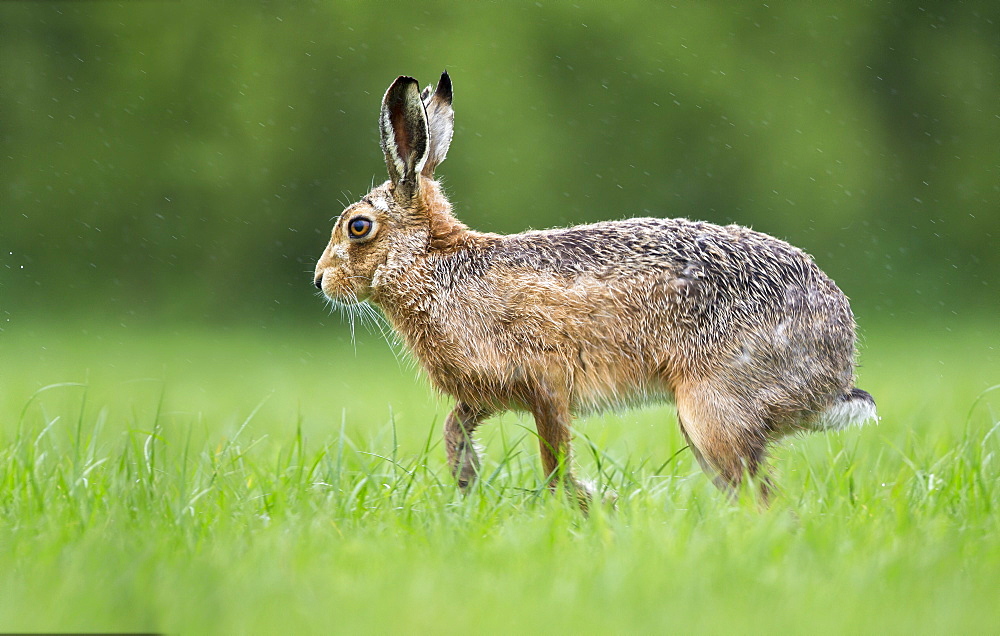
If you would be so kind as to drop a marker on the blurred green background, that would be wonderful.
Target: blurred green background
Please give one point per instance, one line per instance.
(169, 171)
(183, 160)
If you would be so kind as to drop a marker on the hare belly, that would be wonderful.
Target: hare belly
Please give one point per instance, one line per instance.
(602, 387)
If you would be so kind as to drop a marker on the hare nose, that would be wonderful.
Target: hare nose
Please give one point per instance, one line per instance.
(318, 281)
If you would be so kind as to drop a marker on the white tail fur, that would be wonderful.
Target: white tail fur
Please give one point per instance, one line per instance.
(853, 409)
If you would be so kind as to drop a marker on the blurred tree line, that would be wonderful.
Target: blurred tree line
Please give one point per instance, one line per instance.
(186, 159)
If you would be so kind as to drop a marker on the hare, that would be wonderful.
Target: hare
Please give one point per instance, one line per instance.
(741, 330)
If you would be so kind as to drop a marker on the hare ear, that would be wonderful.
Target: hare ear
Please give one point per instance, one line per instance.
(440, 123)
(403, 125)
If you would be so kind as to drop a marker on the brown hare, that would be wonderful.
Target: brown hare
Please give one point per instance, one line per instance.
(741, 330)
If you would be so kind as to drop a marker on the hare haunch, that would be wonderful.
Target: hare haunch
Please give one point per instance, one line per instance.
(741, 330)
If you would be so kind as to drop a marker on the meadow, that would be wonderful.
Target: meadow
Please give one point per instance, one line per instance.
(233, 479)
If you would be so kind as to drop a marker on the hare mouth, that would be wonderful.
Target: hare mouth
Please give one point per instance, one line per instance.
(348, 300)
(339, 294)
(345, 298)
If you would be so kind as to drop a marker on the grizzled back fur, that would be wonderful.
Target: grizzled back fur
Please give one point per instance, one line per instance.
(743, 331)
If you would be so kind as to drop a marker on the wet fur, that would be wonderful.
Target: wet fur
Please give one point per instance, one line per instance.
(742, 330)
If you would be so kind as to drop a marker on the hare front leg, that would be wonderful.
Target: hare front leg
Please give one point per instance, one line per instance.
(552, 419)
(458, 429)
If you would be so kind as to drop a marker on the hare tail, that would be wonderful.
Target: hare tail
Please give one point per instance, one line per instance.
(854, 407)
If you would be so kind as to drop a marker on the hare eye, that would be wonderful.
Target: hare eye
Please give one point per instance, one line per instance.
(359, 227)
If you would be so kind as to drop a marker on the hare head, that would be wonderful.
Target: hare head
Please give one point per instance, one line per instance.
(396, 220)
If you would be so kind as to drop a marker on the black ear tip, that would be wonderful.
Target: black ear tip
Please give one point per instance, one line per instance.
(444, 86)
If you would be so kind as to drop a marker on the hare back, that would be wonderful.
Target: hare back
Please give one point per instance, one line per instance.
(636, 247)
(621, 312)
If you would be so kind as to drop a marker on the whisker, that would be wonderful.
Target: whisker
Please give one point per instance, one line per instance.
(357, 311)
(347, 198)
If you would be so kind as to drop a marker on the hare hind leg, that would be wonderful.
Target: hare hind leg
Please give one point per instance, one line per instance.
(728, 440)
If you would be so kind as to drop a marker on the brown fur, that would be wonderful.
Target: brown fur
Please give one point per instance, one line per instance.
(743, 331)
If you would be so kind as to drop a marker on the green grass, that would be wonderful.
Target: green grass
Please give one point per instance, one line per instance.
(225, 481)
